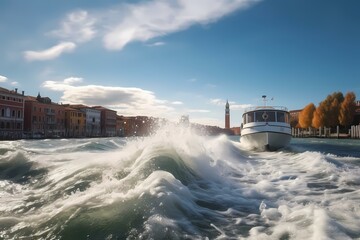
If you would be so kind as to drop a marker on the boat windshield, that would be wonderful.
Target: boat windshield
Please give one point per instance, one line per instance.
(266, 116)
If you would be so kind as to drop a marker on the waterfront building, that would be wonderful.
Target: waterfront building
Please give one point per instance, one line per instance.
(12, 114)
(135, 126)
(227, 115)
(294, 118)
(43, 118)
(357, 113)
(125, 126)
(143, 125)
(92, 121)
(107, 122)
(74, 122)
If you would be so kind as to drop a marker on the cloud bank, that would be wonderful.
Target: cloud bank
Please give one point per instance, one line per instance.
(150, 19)
(142, 21)
(126, 101)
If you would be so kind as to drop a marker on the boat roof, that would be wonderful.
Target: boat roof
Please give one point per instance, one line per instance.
(276, 108)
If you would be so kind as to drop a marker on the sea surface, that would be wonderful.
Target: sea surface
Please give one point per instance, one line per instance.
(178, 185)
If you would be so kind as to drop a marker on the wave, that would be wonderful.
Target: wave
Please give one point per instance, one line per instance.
(173, 185)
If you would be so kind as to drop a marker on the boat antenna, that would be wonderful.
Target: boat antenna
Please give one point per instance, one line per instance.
(264, 99)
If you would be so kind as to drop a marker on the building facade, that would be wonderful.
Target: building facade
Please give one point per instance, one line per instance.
(357, 113)
(108, 121)
(12, 114)
(92, 121)
(43, 118)
(74, 122)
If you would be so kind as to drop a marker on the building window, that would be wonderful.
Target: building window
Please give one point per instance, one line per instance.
(2, 125)
(3, 112)
(19, 114)
(13, 113)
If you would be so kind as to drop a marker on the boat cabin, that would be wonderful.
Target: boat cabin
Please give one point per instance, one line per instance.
(266, 115)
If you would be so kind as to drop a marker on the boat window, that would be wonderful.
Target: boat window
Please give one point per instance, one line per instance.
(280, 116)
(250, 117)
(271, 116)
(244, 119)
(260, 116)
(265, 116)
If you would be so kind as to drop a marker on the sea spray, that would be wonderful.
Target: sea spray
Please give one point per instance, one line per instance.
(175, 184)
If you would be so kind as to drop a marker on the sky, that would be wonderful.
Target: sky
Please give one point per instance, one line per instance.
(168, 58)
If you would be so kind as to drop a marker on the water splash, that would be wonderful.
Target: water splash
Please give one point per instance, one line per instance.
(175, 184)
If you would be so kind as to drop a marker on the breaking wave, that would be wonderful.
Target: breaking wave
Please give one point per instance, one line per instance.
(176, 185)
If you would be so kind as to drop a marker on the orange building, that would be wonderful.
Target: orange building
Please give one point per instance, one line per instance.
(43, 118)
(12, 114)
(92, 121)
(75, 122)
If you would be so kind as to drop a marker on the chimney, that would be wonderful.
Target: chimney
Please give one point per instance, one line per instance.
(23, 93)
(15, 90)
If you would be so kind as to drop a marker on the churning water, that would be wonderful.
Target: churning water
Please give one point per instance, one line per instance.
(178, 185)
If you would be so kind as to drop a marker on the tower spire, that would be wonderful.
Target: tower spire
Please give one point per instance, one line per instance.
(227, 115)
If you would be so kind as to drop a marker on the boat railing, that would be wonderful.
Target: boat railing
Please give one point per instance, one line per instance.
(282, 108)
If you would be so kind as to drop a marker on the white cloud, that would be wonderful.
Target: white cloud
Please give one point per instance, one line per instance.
(177, 103)
(150, 19)
(126, 101)
(240, 106)
(217, 101)
(50, 53)
(78, 27)
(198, 111)
(3, 78)
(72, 80)
(155, 44)
(233, 105)
(14, 83)
(141, 21)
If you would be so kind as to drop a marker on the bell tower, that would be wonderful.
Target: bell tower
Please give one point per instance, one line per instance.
(227, 115)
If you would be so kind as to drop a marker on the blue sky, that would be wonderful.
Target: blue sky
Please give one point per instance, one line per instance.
(167, 58)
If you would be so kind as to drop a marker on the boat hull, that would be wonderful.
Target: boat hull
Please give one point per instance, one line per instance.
(266, 140)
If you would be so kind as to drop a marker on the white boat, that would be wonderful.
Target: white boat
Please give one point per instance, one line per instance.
(266, 127)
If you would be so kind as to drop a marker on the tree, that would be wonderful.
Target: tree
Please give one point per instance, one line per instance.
(347, 109)
(306, 116)
(318, 118)
(333, 114)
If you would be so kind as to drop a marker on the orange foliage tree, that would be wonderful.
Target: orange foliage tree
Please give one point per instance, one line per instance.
(318, 118)
(334, 110)
(347, 109)
(306, 116)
